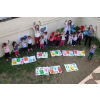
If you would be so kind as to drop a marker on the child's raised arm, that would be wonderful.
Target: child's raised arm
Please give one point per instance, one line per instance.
(96, 29)
(76, 22)
(65, 21)
(8, 42)
(34, 24)
(85, 28)
(39, 23)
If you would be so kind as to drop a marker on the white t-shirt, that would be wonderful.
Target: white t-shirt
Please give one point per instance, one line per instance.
(74, 38)
(63, 37)
(67, 28)
(37, 33)
(29, 41)
(70, 37)
(45, 37)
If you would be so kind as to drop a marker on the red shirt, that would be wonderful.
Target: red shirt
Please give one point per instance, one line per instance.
(58, 37)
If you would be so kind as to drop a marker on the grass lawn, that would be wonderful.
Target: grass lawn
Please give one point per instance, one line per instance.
(25, 74)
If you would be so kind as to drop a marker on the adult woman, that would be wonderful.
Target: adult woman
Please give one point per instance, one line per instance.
(89, 34)
(37, 33)
(68, 26)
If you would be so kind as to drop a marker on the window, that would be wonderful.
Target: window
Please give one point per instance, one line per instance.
(3, 19)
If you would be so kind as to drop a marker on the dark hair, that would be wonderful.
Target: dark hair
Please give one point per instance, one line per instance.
(45, 33)
(22, 38)
(50, 37)
(13, 43)
(29, 36)
(37, 29)
(4, 44)
(81, 31)
(70, 23)
(89, 27)
(42, 36)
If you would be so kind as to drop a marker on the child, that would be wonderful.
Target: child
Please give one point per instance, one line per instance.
(6, 50)
(74, 39)
(70, 38)
(63, 39)
(92, 50)
(57, 39)
(50, 40)
(15, 47)
(29, 40)
(37, 33)
(23, 44)
(80, 37)
(45, 39)
(41, 42)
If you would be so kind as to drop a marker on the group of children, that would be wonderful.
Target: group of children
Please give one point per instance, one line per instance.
(42, 39)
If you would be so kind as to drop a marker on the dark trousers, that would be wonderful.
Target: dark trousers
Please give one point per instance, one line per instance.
(57, 43)
(45, 43)
(7, 55)
(79, 41)
(90, 38)
(29, 46)
(73, 42)
(24, 49)
(50, 43)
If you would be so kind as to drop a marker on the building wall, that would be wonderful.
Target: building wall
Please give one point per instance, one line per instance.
(10, 30)
(91, 21)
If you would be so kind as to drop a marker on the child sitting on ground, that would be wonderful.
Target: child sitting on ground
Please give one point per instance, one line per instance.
(70, 38)
(23, 44)
(57, 39)
(92, 50)
(6, 50)
(15, 47)
(74, 39)
(45, 39)
(41, 42)
(29, 40)
(63, 38)
(80, 37)
(51, 40)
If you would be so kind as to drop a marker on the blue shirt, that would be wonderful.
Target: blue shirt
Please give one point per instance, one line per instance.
(16, 47)
(24, 44)
(92, 50)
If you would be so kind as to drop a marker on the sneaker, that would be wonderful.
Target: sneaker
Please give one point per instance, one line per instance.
(16, 56)
(55, 47)
(28, 50)
(9, 57)
(58, 46)
(74, 45)
(31, 49)
(6, 59)
(89, 59)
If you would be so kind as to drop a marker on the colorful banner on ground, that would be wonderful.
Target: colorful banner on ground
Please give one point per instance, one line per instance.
(24, 60)
(46, 70)
(73, 53)
(42, 71)
(71, 67)
(55, 53)
(42, 55)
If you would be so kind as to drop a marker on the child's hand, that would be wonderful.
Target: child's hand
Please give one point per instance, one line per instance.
(96, 27)
(33, 23)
